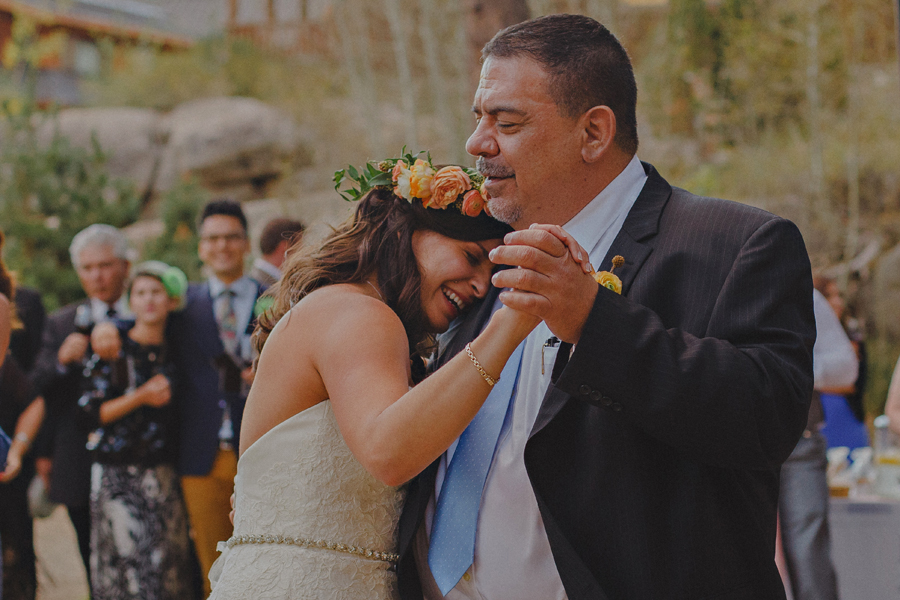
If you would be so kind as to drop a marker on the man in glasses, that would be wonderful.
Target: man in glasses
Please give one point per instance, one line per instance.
(215, 351)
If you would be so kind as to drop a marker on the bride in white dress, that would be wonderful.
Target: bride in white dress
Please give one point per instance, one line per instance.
(332, 429)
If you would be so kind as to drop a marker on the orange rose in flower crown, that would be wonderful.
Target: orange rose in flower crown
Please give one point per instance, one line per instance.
(447, 185)
(411, 177)
(473, 203)
(412, 182)
(420, 177)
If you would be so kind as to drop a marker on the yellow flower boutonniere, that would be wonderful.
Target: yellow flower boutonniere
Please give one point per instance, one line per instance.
(607, 279)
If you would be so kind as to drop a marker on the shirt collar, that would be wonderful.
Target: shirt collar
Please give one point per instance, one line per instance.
(609, 207)
(240, 287)
(267, 267)
(100, 309)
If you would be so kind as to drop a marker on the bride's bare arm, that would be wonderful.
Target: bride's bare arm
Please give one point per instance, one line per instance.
(393, 431)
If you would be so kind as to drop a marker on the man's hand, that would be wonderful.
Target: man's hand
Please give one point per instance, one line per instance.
(105, 341)
(156, 392)
(549, 282)
(72, 348)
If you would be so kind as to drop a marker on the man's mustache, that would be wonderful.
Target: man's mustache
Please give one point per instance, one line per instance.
(489, 169)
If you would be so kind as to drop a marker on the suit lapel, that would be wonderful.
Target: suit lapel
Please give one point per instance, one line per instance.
(641, 224)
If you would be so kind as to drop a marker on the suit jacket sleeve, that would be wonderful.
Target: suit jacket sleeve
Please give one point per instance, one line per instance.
(735, 396)
(48, 376)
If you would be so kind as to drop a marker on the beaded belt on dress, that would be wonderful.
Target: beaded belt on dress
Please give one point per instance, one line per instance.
(238, 540)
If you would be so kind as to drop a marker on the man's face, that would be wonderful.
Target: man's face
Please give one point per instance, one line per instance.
(528, 150)
(102, 273)
(223, 245)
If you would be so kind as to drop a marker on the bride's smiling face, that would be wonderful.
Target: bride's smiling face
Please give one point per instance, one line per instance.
(454, 274)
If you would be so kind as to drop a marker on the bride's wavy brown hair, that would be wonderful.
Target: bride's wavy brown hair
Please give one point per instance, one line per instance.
(375, 240)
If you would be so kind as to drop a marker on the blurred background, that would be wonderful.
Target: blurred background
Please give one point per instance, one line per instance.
(135, 112)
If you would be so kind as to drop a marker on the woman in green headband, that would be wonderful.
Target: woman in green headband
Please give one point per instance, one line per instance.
(130, 412)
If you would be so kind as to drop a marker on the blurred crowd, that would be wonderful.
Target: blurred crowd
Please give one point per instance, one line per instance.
(125, 407)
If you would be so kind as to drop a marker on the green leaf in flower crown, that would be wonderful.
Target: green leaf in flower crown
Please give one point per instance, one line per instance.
(354, 174)
(381, 179)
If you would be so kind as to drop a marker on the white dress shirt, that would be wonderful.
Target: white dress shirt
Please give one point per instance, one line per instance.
(835, 364)
(267, 267)
(512, 552)
(100, 309)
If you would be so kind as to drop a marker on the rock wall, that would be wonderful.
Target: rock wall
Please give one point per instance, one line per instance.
(234, 146)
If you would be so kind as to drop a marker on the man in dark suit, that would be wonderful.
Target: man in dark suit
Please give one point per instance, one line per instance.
(644, 431)
(278, 236)
(214, 349)
(100, 256)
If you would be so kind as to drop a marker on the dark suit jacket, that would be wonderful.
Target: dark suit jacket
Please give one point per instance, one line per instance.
(655, 456)
(25, 343)
(197, 347)
(70, 481)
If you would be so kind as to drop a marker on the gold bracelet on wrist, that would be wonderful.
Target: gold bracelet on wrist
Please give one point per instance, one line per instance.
(484, 374)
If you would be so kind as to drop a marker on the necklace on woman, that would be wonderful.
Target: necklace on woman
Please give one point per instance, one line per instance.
(376, 291)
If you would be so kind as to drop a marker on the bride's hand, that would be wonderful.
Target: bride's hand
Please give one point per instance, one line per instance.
(578, 253)
(517, 322)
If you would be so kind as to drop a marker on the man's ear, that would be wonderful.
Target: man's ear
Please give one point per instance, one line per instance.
(599, 131)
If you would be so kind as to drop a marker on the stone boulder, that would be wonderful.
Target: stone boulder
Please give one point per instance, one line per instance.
(235, 146)
(232, 145)
(130, 137)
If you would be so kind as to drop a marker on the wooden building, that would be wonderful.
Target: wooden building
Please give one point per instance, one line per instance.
(82, 39)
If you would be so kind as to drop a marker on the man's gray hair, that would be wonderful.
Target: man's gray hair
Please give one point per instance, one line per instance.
(99, 235)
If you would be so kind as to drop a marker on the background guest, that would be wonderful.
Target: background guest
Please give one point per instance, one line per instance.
(277, 237)
(21, 414)
(843, 406)
(7, 289)
(892, 406)
(803, 498)
(99, 254)
(214, 349)
(130, 413)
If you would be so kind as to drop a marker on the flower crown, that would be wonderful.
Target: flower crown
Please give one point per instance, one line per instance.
(411, 177)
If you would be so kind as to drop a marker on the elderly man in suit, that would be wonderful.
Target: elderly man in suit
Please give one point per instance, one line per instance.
(213, 346)
(100, 254)
(639, 439)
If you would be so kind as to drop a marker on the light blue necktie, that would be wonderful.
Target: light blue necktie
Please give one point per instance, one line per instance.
(452, 546)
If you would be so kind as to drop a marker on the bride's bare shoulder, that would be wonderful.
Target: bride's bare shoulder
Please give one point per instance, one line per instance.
(341, 306)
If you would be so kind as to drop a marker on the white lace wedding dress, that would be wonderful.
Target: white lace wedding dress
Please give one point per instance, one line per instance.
(310, 522)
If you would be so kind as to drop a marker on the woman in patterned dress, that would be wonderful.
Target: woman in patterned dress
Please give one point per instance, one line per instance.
(139, 539)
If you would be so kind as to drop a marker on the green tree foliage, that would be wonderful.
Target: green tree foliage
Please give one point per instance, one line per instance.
(49, 191)
(177, 246)
(215, 66)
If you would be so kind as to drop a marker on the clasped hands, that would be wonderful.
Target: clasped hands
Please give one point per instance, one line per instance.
(553, 281)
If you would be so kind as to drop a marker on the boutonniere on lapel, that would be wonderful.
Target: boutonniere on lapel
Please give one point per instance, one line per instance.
(263, 303)
(607, 279)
